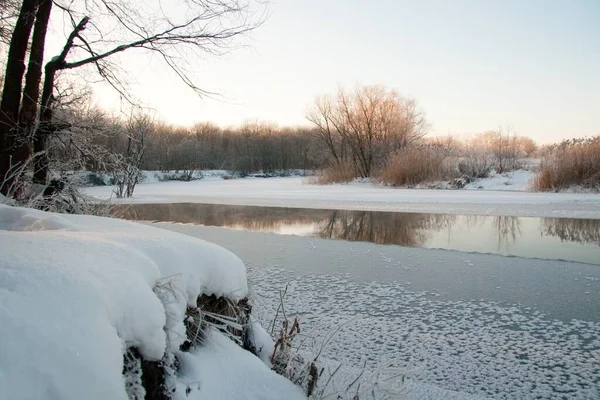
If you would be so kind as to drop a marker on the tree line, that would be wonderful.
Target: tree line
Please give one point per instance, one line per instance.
(248, 148)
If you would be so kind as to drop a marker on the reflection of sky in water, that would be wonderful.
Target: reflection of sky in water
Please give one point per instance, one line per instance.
(549, 238)
(528, 241)
(298, 229)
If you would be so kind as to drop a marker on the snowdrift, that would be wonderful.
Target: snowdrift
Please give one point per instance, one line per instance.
(76, 292)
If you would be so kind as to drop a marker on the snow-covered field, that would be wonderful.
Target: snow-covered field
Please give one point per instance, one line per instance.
(489, 326)
(294, 192)
(77, 291)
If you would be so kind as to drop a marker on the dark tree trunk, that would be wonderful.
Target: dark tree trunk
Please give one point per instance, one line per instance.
(11, 95)
(31, 92)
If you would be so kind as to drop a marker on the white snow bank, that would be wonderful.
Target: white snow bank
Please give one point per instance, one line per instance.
(75, 291)
(222, 370)
(293, 192)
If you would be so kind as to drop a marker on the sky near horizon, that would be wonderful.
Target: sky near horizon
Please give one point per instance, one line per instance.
(473, 65)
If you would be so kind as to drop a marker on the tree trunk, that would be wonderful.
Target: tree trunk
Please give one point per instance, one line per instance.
(31, 92)
(44, 128)
(11, 95)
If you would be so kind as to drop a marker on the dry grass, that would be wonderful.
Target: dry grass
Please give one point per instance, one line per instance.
(574, 162)
(336, 173)
(414, 166)
(223, 314)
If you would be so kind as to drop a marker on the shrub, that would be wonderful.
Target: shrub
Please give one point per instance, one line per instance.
(499, 150)
(336, 173)
(475, 164)
(507, 152)
(184, 176)
(574, 162)
(412, 166)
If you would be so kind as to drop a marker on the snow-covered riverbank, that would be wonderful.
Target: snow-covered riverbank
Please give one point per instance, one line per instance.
(294, 192)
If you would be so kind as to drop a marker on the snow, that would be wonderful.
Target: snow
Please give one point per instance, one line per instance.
(4, 200)
(160, 176)
(519, 180)
(147, 176)
(76, 291)
(463, 325)
(223, 370)
(263, 341)
(294, 192)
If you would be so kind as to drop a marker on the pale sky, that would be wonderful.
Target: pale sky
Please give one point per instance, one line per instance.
(473, 65)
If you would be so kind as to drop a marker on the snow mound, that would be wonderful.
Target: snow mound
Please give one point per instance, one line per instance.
(209, 372)
(76, 291)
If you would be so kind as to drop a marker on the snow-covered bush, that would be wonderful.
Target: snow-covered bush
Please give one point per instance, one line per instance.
(184, 176)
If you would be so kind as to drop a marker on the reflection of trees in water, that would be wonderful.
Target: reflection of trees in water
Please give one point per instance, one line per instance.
(505, 229)
(404, 229)
(572, 230)
(251, 218)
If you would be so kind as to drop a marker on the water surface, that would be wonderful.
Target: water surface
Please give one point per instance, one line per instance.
(549, 238)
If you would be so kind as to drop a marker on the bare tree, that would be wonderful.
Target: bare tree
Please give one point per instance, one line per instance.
(100, 30)
(371, 121)
(507, 150)
(528, 145)
(330, 125)
(9, 10)
(126, 177)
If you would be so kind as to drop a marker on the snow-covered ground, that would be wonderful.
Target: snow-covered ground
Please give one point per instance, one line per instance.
(482, 325)
(77, 291)
(294, 192)
(519, 180)
(87, 178)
